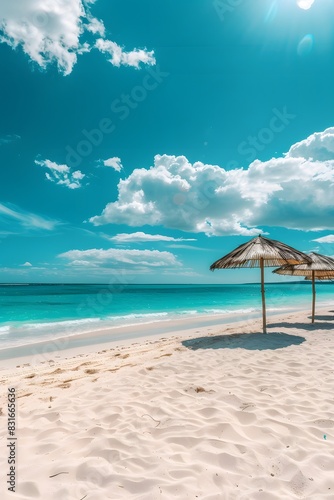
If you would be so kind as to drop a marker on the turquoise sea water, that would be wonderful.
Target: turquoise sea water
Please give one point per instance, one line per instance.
(36, 312)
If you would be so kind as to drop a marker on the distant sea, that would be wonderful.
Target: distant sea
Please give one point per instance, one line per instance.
(37, 312)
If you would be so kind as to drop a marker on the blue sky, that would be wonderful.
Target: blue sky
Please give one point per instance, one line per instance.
(140, 140)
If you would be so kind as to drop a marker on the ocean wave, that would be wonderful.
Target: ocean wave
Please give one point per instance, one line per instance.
(190, 311)
(138, 316)
(4, 329)
(83, 325)
(52, 324)
(230, 311)
(109, 321)
(91, 323)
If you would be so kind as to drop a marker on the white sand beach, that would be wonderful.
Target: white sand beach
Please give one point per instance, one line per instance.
(152, 419)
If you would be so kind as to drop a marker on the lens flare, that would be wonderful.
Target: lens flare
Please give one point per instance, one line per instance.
(305, 45)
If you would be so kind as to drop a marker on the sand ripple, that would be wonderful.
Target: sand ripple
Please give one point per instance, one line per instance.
(170, 422)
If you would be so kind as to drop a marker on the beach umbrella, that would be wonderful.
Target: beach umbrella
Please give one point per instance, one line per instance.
(321, 267)
(320, 278)
(261, 252)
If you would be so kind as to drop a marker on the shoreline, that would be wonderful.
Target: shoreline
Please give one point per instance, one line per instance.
(39, 353)
(40, 349)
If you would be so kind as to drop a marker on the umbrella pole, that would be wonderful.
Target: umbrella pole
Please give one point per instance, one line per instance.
(263, 297)
(313, 296)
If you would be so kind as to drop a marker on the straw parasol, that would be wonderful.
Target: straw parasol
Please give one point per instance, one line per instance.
(321, 267)
(261, 252)
(320, 278)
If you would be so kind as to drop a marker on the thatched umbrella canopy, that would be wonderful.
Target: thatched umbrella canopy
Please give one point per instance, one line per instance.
(320, 278)
(321, 267)
(261, 252)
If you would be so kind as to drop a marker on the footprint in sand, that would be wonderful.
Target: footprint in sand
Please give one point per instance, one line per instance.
(79, 366)
(64, 385)
(58, 370)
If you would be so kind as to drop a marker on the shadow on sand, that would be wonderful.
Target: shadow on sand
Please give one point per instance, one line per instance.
(303, 326)
(250, 341)
(324, 318)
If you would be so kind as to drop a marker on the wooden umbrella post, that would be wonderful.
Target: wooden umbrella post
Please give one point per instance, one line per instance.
(313, 295)
(264, 323)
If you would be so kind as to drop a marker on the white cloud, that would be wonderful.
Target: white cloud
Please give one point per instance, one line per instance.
(118, 57)
(26, 264)
(8, 138)
(61, 174)
(7, 233)
(47, 31)
(305, 4)
(52, 31)
(325, 239)
(19, 219)
(143, 237)
(82, 263)
(96, 26)
(190, 247)
(318, 146)
(99, 257)
(114, 162)
(292, 191)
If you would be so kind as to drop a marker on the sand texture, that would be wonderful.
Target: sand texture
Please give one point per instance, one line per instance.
(156, 420)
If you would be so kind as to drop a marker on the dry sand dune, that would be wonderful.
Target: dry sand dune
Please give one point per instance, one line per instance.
(157, 420)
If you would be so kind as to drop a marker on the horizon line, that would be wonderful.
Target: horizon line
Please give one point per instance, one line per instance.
(139, 284)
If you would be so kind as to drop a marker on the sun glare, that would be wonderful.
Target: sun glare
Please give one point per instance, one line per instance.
(305, 4)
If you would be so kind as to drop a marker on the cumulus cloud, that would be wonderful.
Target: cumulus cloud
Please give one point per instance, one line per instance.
(119, 57)
(47, 32)
(114, 163)
(143, 237)
(100, 257)
(20, 220)
(325, 239)
(62, 174)
(318, 146)
(294, 191)
(52, 32)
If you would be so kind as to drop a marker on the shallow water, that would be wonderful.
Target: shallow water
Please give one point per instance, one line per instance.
(30, 313)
